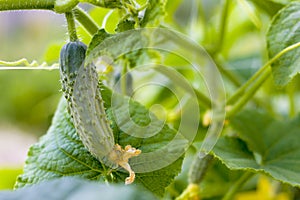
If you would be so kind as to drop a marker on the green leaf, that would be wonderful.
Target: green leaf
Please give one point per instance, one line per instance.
(268, 145)
(125, 25)
(269, 6)
(134, 58)
(219, 179)
(284, 32)
(75, 188)
(99, 37)
(61, 153)
(52, 53)
(154, 12)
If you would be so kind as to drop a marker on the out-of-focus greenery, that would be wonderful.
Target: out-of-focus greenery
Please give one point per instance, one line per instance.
(8, 177)
(29, 97)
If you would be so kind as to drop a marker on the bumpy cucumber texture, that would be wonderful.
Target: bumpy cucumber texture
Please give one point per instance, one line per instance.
(81, 88)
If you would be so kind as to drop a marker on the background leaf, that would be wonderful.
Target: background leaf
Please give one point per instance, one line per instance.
(269, 6)
(267, 145)
(61, 153)
(285, 31)
(74, 188)
(97, 39)
(154, 12)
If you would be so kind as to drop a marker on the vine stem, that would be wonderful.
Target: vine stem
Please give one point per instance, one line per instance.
(252, 14)
(71, 26)
(29, 4)
(203, 99)
(237, 185)
(243, 88)
(242, 101)
(24, 64)
(85, 20)
(223, 25)
(54, 67)
(259, 73)
(222, 33)
(230, 75)
(194, 17)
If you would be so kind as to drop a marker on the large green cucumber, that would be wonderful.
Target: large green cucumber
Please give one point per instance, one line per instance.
(81, 87)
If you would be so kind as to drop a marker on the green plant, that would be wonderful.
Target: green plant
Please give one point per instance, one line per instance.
(241, 137)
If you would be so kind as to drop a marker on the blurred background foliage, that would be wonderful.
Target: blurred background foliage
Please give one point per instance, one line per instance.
(29, 97)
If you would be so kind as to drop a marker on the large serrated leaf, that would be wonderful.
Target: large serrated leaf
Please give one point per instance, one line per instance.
(61, 153)
(284, 32)
(268, 145)
(76, 189)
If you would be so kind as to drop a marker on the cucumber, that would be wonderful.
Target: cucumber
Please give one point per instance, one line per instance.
(82, 91)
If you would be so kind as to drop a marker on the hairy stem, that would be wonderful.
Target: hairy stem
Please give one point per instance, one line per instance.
(230, 75)
(194, 17)
(219, 45)
(248, 95)
(237, 185)
(71, 26)
(243, 89)
(85, 20)
(26, 4)
(224, 19)
(203, 99)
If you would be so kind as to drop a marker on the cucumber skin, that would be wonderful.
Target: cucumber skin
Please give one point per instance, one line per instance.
(82, 92)
(72, 56)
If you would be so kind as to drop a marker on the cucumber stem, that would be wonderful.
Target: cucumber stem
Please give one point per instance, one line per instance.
(249, 88)
(243, 88)
(85, 20)
(247, 96)
(71, 26)
(231, 76)
(203, 99)
(26, 5)
(223, 25)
